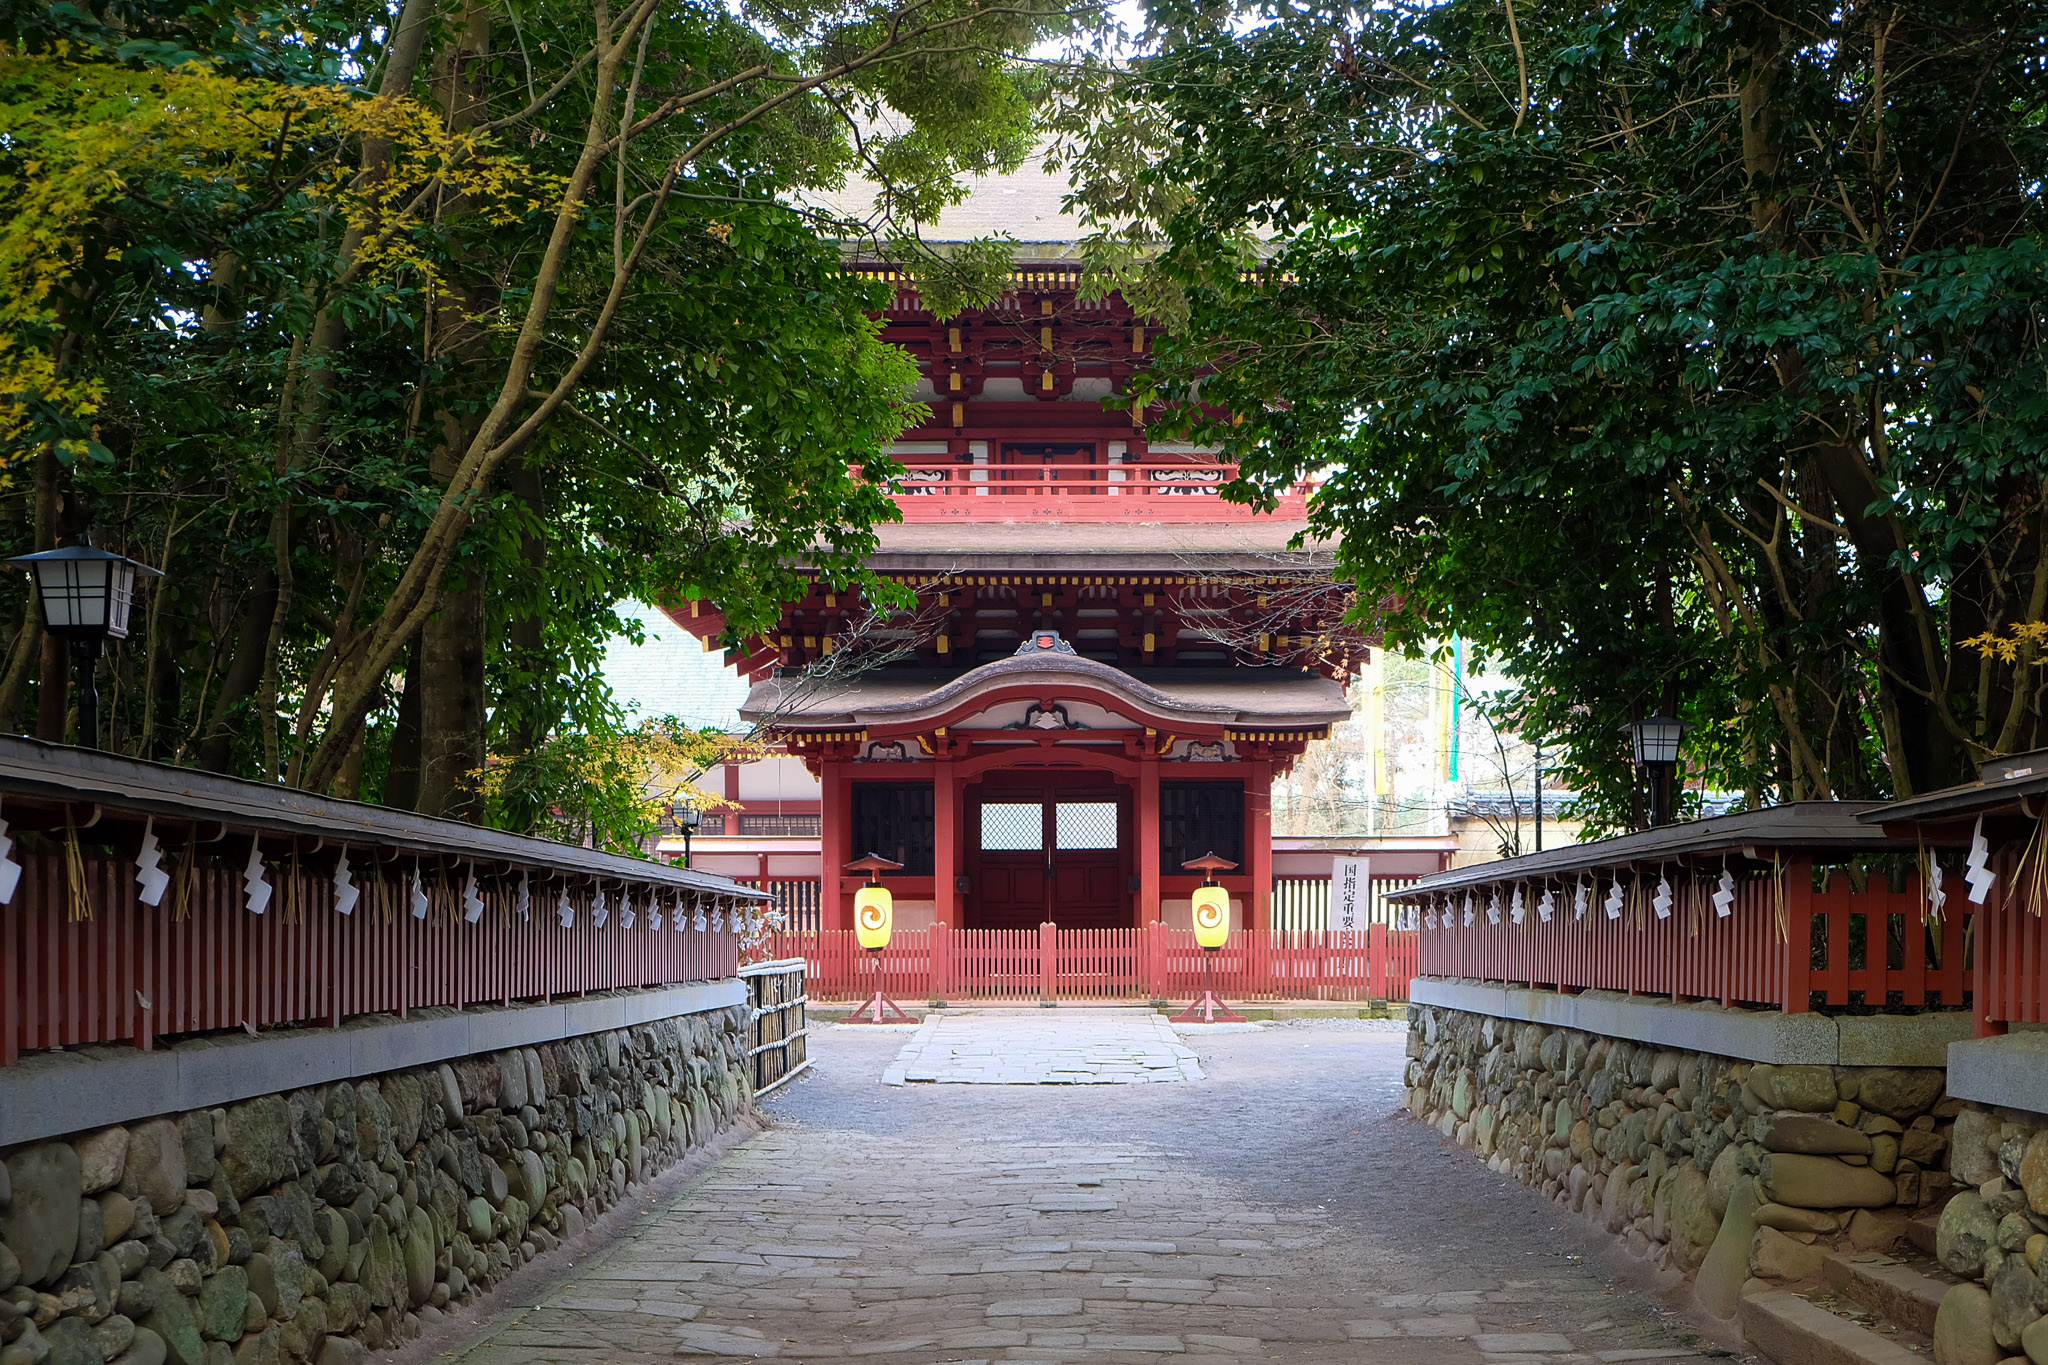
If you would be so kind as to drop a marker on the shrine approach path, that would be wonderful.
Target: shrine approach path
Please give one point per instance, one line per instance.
(1278, 1210)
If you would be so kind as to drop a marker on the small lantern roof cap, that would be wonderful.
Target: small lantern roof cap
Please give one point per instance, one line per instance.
(1209, 864)
(85, 549)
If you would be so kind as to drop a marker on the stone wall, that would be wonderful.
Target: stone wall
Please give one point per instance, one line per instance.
(1726, 1170)
(322, 1223)
(1993, 1234)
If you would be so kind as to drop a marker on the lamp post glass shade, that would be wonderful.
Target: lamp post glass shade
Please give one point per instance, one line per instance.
(687, 816)
(1655, 739)
(86, 592)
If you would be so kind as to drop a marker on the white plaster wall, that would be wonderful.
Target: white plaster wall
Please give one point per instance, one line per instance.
(777, 779)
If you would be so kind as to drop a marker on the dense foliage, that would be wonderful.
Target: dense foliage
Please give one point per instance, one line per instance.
(1683, 356)
(408, 337)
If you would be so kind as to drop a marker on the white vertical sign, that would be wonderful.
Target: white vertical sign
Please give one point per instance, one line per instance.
(1350, 894)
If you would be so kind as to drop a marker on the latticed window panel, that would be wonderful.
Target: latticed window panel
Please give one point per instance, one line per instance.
(894, 819)
(1197, 818)
(801, 826)
(1085, 824)
(1012, 827)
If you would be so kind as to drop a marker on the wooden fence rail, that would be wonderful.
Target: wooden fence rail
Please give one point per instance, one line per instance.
(778, 1035)
(273, 907)
(1783, 943)
(133, 973)
(1152, 963)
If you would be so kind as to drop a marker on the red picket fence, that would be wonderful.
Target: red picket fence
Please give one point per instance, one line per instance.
(130, 973)
(1152, 963)
(1836, 946)
(2011, 976)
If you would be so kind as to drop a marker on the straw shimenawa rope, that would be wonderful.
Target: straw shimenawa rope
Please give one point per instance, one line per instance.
(79, 900)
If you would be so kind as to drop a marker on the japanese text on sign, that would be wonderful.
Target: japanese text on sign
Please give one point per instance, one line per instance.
(1350, 894)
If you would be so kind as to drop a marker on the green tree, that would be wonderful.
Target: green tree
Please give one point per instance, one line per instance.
(409, 337)
(1681, 356)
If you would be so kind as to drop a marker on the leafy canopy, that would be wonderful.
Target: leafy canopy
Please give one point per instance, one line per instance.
(1683, 357)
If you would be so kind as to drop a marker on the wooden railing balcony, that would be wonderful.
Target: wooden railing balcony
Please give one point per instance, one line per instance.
(1151, 491)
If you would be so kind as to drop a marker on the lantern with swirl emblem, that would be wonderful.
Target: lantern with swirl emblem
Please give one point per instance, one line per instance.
(872, 913)
(1212, 930)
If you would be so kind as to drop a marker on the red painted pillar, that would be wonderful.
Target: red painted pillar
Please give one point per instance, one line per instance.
(945, 843)
(835, 831)
(1992, 928)
(1147, 835)
(1048, 960)
(1796, 953)
(1258, 844)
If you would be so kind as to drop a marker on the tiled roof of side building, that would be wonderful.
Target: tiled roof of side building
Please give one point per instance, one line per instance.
(671, 675)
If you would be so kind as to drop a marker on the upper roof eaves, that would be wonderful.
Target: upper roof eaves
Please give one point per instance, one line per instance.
(1024, 203)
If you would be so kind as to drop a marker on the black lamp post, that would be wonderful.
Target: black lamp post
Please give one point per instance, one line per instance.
(86, 595)
(1655, 741)
(688, 818)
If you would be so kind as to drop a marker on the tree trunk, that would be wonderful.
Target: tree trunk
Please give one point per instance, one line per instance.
(245, 669)
(256, 633)
(402, 778)
(452, 640)
(526, 633)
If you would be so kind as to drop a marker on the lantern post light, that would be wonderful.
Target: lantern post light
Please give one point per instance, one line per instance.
(688, 819)
(1654, 744)
(1212, 931)
(873, 913)
(86, 594)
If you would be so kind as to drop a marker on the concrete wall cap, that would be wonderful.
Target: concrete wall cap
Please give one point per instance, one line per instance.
(51, 1094)
(1702, 1026)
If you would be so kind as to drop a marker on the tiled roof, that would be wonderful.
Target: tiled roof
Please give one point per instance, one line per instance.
(671, 675)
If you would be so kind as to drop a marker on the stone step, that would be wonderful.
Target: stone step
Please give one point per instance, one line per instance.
(1920, 1230)
(1790, 1331)
(1894, 1291)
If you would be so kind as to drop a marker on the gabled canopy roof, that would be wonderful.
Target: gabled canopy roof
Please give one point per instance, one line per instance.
(1233, 698)
(2002, 786)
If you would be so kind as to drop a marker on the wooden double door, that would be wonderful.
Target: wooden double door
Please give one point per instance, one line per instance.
(1048, 848)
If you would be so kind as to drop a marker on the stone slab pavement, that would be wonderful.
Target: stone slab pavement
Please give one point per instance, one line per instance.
(1043, 1047)
(1279, 1210)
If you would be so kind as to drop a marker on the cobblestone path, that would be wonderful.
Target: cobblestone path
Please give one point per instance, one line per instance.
(1043, 1047)
(1275, 1212)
